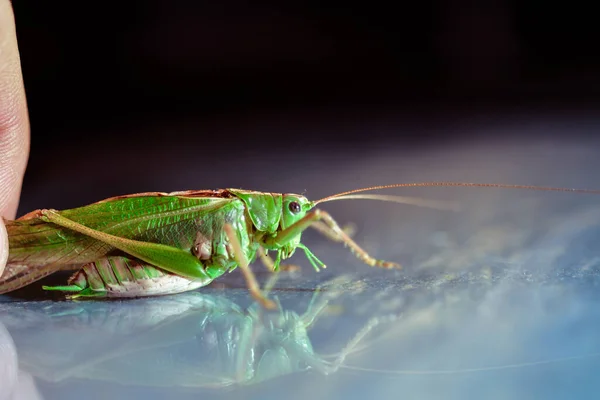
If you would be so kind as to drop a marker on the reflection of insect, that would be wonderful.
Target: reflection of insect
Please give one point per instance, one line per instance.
(156, 243)
(191, 340)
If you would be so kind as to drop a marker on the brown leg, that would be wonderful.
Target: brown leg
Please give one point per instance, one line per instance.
(348, 229)
(330, 224)
(253, 286)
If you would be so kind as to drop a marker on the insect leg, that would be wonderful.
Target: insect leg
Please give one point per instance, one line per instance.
(354, 247)
(266, 259)
(270, 263)
(169, 258)
(123, 277)
(275, 275)
(286, 235)
(315, 309)
(242, 261)
(349, 229)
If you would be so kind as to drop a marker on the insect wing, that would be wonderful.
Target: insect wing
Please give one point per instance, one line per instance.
(38, 248)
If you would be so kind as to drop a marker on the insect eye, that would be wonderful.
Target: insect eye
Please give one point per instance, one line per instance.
(295, 207)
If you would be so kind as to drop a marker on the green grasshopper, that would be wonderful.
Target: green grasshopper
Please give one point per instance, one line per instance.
(154, 243)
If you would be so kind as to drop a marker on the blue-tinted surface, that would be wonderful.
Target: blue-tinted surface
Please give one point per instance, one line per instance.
(496, 301)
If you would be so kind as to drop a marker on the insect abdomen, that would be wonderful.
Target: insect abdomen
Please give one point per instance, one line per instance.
(122, 277)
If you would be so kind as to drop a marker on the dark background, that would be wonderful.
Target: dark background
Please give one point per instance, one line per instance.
(111, 86)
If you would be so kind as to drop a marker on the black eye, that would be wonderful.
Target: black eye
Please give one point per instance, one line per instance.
(295, 207)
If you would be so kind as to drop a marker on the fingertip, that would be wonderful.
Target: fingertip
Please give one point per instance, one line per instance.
(14, 118)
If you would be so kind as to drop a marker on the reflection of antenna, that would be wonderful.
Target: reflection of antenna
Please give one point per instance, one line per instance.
(469, 370)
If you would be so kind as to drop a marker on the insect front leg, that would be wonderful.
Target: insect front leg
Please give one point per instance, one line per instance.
(288, 234)
(321, 227)
(349, 229)
(242, 262)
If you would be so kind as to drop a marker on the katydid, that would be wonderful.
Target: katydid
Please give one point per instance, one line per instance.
(155, 243)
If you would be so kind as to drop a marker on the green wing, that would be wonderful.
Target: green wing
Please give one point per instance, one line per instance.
(38, 248)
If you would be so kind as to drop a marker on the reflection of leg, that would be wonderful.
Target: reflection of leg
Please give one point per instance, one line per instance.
(348, 349)
(315, 308)
(271, 283)
(325, 367)
(324, 293)
(348, 229)
(240, 258)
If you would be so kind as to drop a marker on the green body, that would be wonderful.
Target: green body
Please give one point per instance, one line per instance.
(164, 240)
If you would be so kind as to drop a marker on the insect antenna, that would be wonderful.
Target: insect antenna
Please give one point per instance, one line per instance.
(352, 193)
(416, 201)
